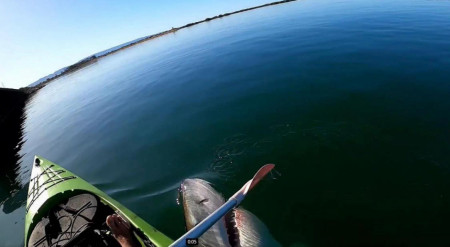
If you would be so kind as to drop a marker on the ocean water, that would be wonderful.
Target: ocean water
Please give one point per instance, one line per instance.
(350, 100)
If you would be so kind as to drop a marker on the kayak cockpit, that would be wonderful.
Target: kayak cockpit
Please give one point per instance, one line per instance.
(75, 221)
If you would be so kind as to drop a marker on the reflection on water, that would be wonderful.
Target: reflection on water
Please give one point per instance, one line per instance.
(13, 193)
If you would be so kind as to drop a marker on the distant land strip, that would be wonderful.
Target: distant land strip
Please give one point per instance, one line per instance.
(92, 59)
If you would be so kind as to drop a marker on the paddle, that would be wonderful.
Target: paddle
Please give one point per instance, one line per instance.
(234, 201)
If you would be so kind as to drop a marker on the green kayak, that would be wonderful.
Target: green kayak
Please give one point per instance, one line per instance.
(65, 210)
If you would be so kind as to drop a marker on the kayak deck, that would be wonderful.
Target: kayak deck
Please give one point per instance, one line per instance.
(76, 221)
(52, 187)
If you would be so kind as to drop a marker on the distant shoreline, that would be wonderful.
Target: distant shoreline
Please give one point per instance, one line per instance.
(92, 59)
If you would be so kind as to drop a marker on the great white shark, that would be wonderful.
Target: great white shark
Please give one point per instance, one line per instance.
(238, 228)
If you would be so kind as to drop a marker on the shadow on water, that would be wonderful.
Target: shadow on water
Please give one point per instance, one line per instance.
(12, 104)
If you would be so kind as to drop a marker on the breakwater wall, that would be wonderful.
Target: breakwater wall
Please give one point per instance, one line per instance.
(12, 107)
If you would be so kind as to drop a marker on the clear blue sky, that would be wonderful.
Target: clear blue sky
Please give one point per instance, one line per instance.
(40, 37)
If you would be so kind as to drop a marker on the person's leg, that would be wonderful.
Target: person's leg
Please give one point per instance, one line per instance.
(121, 231)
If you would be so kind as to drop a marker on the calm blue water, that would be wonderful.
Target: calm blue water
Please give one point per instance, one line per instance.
(350, 99)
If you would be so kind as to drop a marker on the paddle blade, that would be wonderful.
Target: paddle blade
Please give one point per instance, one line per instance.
(260, 174)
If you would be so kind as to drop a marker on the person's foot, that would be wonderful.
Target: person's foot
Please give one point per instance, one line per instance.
(121, 231)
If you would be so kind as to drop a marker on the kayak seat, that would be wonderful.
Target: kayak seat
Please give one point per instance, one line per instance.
(76, 221)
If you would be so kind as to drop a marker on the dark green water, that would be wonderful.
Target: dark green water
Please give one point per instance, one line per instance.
(350, 99)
